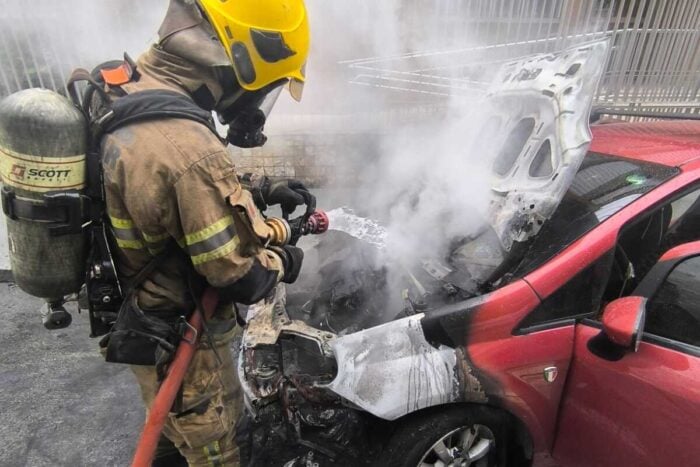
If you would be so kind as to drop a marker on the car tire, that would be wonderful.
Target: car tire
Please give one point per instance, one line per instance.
(416, 441)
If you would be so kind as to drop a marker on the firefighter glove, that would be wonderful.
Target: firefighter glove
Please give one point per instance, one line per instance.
(288, 194)
(292, 258)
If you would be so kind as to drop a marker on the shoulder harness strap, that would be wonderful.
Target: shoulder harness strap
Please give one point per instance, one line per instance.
(106, 114)
(153, 104)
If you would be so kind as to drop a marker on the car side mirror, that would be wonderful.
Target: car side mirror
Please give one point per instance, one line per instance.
(623, 321)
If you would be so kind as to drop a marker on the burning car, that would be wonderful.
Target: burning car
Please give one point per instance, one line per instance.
(527, 344)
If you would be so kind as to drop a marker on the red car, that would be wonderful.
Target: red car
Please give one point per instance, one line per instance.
(586, 352)
(585, 379)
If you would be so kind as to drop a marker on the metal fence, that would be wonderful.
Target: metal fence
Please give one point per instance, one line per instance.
(654, 61)
(43, 40)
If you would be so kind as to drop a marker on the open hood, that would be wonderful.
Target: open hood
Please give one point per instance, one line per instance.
(538, 133)
(543, 103)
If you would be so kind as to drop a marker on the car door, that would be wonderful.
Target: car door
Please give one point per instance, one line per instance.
(639, 408)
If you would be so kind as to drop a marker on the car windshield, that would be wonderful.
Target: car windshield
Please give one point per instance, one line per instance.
(602, 186)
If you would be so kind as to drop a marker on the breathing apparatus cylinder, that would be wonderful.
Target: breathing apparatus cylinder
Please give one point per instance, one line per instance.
(43, 140)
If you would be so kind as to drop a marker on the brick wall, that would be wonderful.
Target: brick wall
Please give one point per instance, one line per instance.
(317, 160)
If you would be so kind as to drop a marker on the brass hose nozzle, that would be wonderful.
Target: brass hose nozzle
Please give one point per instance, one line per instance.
(280, 232)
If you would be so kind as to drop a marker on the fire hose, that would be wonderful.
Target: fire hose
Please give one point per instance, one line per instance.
(163, 402)
(317, 223)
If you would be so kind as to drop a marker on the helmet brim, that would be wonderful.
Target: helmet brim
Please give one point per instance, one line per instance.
(296, 89)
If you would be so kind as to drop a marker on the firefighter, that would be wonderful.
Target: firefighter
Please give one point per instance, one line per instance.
(172, 179)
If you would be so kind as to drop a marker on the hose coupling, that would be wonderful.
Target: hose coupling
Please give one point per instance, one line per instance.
(280, 231)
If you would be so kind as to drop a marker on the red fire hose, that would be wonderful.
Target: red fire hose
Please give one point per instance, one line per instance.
(163, 402)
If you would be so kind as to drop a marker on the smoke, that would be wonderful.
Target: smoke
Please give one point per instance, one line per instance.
(433, 183)
(411, 79)
(426, 183)
(42, 41)
(427, 179)
(405, 78)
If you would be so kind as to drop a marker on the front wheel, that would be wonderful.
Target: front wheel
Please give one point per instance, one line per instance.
(454, 437)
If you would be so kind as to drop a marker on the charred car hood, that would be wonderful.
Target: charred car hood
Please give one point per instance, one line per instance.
(540, 108)
(547, 102)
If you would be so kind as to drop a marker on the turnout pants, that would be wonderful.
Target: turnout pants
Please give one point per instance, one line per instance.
(203, 430)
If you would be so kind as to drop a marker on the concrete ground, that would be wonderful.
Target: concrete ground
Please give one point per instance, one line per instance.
(62, 405)
(4, 255)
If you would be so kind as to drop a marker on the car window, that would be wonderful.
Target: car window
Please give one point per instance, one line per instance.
(674, 311)
(603, 185)
(685, 205)
(578, 298)
(642, 242)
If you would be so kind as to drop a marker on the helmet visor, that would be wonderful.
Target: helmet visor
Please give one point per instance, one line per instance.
(270, 99)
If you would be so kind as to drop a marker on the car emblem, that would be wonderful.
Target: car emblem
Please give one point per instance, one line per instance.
(550, 374)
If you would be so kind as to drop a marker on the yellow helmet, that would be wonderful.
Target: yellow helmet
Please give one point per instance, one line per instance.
(266, 40)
